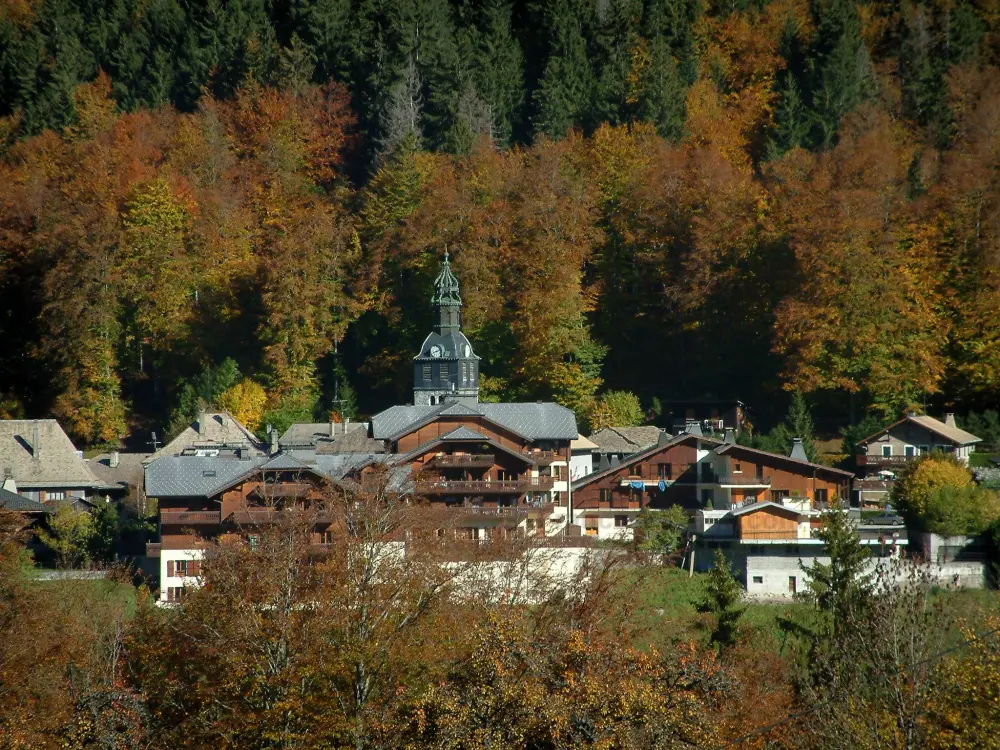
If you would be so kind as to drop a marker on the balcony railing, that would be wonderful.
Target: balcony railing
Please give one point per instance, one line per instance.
(863, 459)
(463, 461)
(190, 517)
(494, 487)
(282, 489)
(153, 549)
(742, 480)
(874, 485)
(542, 457)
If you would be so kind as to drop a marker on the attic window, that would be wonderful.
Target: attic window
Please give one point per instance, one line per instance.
(208, 473)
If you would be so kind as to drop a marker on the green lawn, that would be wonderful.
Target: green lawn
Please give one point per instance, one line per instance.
(666, 608)
(980, 459)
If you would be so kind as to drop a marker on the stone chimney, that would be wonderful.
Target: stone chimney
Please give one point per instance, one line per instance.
(202, 423)
(333, 428)
(798, 450)
(729, 437)
(113, 461)
(36, 442)
(949, 419)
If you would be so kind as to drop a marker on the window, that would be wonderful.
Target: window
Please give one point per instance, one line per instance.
(923, 449)
(175, 593)
(822, 497)
(707, 497)
(791, 584)
(909, 451)
(886, 451)
(591, 525)
(426, 373)
(737, 468)
(758, 579)
(326, 537)
(621, 521)
(778, 495)
(605, 496)
(556, 498)
(50, 495)
(759, 473)
(557, 472)
(707, 475)
(664, 471)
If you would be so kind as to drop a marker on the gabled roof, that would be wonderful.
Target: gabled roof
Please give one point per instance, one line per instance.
(20, 504)
(954, 434)
(54, 462)
(642, 456)
(128, 473)
(760, 506)
(532, 421)
(308, 434)
(582, 444)
(625, 439)
(729, 447)
(194, 476)
(463, 433)
(212, 430)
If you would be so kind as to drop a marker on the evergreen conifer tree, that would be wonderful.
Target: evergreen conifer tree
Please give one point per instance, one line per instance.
(844, 583)
(562, 99)
(615, 41)
(723, 596)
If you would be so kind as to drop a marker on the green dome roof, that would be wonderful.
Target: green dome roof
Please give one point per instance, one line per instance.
(446, 286)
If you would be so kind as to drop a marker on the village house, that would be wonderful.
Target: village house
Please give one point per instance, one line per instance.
(880, 456)
(41, 463)
(698, 472)
(713, 416)
(209, 435)
(509, 461)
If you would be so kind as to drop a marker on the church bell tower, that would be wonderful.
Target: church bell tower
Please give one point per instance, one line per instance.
(446, 369)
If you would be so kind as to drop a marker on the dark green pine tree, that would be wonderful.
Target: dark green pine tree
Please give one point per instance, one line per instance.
(791, 118)
(562, 99)
(142, 63)
(42, 64)
(326, 30)
(614, 44)
(723, 597)
(840, 587)
(842, 73)
(492, 70)
(669, 43)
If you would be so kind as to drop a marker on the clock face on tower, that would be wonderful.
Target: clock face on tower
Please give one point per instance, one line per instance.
(435, 351)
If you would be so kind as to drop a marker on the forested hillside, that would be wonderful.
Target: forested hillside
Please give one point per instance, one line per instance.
(672, 197)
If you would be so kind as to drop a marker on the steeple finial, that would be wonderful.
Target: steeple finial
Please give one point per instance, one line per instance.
(446, 285)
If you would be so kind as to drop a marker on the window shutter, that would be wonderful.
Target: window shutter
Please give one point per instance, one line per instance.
(194, 568)
(170, 568)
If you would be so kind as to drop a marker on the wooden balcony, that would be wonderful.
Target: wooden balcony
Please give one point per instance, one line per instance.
(190, 517)
(742, 480)
(542, 458)
(863, 459)
(281, 489)
(463, 461)
(495, 487)
(873, 485)
(153, 549)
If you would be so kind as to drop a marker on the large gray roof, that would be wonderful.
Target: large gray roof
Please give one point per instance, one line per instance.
(196, 476)
(128, 473)
(20, 504)
(954, 434)
(625, 439)
(533, 421)
(53, 463)
(306, 434)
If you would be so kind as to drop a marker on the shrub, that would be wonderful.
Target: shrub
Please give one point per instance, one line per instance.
(921, 479)
(961, 511)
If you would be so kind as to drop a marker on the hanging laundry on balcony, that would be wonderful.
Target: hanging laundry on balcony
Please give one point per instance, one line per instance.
(662, 485)
(636, 484)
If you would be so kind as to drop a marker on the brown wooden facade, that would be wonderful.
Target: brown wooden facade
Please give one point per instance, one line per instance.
(725, 475)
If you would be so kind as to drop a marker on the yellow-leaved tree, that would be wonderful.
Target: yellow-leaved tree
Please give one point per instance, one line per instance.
(246, 401)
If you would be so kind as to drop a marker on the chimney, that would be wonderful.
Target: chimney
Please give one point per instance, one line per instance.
(614, 461)
(202, 423)
(663, 439)
(333, 428)
(730, 436)
(603, 464)
(949, 419)
(113, 461)
(36, 445)
(798, 450)
(224, 419)
(694, 428)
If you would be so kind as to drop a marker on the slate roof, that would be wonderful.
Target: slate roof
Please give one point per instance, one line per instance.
(130, 471)
(20, 504)
(356, 441)
(57, 464)
(583, 444)
(196, 476)
(625, 439)
(760, 506)
(532, 421)
(219, 430)
(463, 433)
(305, 434)
(954, 434)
